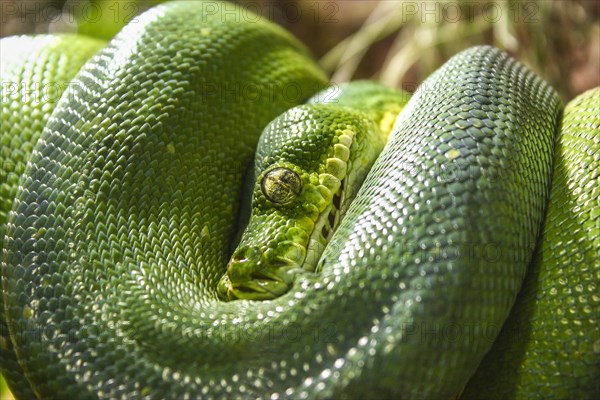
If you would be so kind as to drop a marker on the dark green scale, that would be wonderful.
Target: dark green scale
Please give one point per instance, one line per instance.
(436, 243)
(550, 345)
(35, 71)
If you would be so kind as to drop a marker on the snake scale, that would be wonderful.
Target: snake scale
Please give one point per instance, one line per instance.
(382, 274)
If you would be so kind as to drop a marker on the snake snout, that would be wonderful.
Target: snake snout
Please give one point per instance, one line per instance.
(251, 276)
(244, 264)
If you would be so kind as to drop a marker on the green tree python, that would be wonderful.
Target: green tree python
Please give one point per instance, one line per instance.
(386, 240)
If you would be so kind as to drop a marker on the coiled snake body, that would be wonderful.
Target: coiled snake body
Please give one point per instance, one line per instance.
(117, 247)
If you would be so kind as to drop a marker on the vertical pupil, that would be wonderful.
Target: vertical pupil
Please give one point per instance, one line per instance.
(287, 179)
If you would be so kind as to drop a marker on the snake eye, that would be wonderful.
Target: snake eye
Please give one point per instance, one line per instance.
(281, 185)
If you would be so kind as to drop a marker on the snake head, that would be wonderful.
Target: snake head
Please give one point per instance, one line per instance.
(306, 159)
(273, 247)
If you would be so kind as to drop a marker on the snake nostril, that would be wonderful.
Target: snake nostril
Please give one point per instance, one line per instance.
(243, 263)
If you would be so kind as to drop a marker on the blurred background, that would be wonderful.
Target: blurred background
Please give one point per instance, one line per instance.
(398, 43)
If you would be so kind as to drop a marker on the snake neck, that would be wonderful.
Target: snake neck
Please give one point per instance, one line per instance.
(380, 104)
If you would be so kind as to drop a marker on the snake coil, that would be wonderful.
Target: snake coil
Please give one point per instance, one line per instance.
(120, 229)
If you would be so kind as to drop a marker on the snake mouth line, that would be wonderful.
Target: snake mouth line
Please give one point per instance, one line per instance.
(256, 289)
(264, 285)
